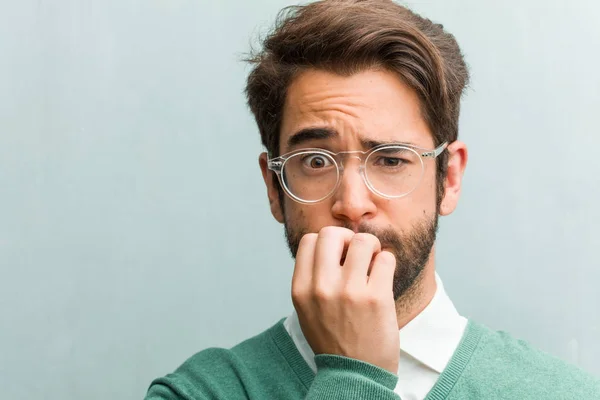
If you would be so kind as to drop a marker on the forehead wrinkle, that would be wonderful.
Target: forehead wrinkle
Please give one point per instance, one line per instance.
(323, 101)
(333, 114)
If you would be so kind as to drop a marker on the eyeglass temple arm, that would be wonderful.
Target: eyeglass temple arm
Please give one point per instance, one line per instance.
(436, 152)
(275, 164)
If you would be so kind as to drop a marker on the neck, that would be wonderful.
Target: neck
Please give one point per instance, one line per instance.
(420, 294)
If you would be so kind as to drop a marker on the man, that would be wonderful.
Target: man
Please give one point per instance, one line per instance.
(357, 103)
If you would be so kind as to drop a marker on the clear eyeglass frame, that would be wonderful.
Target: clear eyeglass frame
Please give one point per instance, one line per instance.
(277, 165)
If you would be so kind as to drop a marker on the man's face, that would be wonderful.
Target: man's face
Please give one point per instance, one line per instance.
(370, 106)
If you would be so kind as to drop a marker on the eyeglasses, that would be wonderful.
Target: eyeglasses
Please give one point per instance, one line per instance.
(389, 170)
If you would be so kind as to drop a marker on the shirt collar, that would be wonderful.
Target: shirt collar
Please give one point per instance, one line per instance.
(431, 337)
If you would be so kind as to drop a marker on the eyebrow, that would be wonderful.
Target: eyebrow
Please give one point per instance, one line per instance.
(308, 134)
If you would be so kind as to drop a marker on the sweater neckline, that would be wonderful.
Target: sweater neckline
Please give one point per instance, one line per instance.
(290, 353)
(458, 362)
(440, 390)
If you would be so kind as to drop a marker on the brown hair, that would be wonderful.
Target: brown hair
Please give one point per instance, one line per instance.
(347, 36)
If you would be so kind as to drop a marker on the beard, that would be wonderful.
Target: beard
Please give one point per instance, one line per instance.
(411, 250)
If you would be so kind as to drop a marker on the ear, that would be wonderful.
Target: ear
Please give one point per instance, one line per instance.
(457, 162)
(272, 190)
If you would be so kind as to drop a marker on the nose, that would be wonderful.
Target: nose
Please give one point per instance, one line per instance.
(353, 200)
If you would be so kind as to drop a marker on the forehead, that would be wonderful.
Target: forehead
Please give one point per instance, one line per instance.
(369, 106)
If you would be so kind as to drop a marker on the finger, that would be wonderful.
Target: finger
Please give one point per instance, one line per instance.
(330, 246)
(361, 251)
(302, 277)
(382, 272)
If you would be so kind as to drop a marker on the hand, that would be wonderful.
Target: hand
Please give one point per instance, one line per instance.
(347, 309)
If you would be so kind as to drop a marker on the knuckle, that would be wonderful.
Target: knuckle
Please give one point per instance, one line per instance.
(334, 231)
(307, 238)
(323, 294)
(300, 291)
(350, 297)
(365, 239)
(298, 294)
(327, 231)
(373, 300)
(362, 237)
(346, 231)
(387, 258)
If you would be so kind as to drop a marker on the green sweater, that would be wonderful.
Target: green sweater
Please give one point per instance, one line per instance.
(486, 365)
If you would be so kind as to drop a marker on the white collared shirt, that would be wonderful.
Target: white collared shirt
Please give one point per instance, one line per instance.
(426, 344)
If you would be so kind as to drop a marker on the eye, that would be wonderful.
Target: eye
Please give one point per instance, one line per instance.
(392, 158)
(389, 161)
(316, 161)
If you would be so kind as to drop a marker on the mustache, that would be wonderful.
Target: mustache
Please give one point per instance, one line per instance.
(387, 236)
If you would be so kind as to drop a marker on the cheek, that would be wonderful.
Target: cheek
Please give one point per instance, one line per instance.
(427, 192)
(408, 211)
